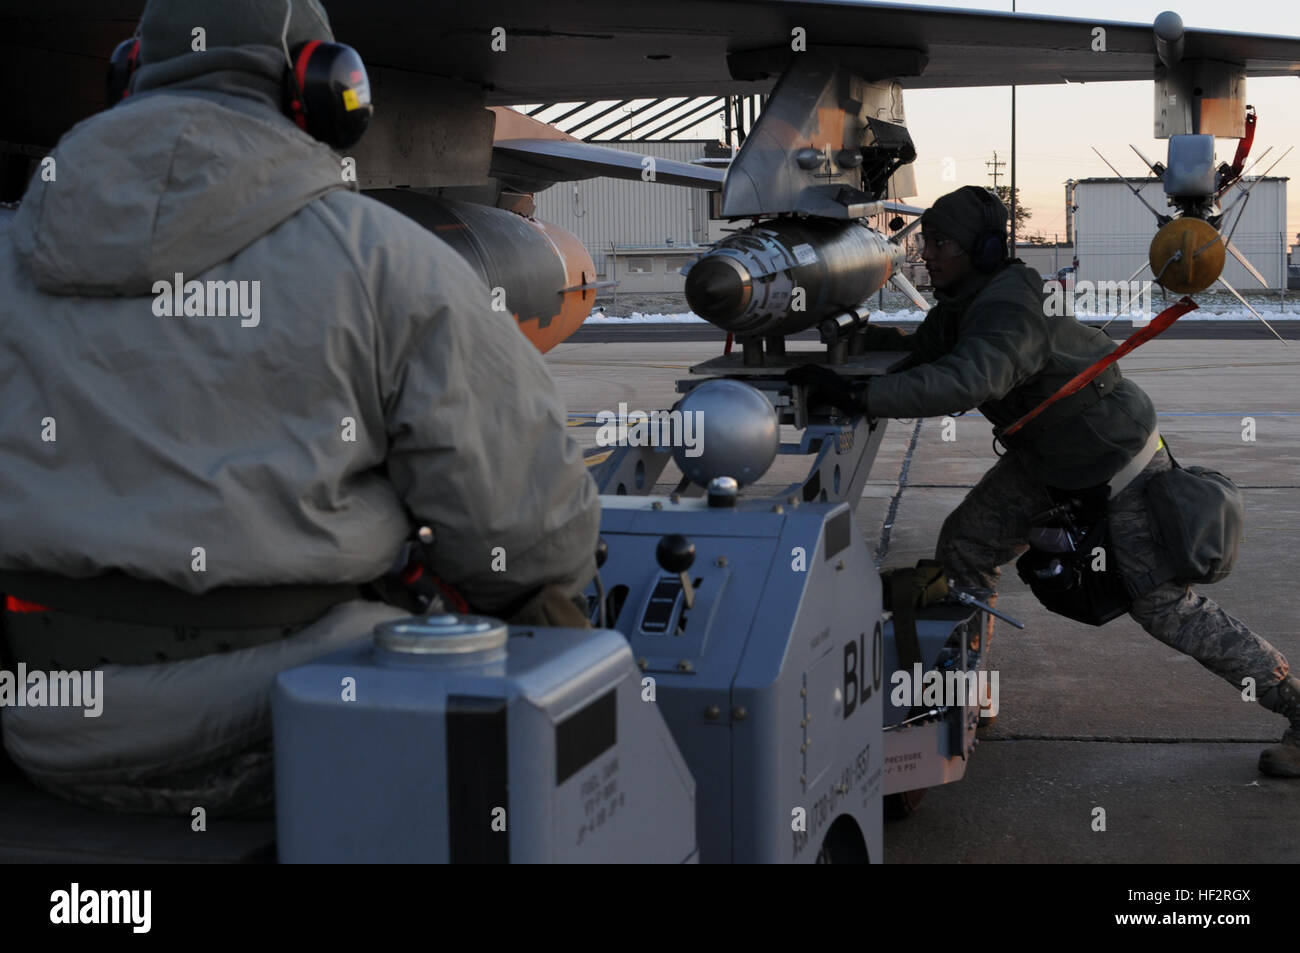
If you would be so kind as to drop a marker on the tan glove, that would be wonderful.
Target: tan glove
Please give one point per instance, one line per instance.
(551, 607)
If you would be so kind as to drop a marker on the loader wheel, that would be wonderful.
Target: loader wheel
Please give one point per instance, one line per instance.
(904, 804)
(843, 843)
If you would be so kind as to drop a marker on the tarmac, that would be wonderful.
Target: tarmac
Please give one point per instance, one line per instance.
(1090, 718)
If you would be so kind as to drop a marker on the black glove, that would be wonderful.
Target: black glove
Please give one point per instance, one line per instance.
(828, 388)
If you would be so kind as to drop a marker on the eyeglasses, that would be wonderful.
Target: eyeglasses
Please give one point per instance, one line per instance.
(936, 241)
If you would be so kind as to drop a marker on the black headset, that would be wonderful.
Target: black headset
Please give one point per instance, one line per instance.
(327, 93)
(121, 67)
(326, 89)
(989, 250)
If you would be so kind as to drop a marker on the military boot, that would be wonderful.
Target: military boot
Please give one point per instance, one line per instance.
(1283, 761)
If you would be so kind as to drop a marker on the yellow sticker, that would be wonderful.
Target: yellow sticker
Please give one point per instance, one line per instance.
(350, 101)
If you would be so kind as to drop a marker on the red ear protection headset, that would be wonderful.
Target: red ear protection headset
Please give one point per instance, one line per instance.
(121, 66)
(327, 93)
(326, 90)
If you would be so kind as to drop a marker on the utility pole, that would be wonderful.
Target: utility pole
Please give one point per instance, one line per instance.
(1012, 203)
(996, 166)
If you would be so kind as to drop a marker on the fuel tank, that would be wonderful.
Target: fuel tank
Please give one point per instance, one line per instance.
(546, 275)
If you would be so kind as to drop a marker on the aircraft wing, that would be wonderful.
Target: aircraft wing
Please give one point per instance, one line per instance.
(54, 52)
(578, 50)
(901, 208)
(546, 161)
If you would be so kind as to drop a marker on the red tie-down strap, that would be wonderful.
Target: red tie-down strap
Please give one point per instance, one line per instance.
(14, 604)
(1243, 147)
(1159, 323)
(415, 572)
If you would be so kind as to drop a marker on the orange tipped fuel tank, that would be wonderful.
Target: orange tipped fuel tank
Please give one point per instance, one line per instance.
(545, 274)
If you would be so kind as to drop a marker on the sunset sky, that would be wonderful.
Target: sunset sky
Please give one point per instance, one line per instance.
(1056, 126)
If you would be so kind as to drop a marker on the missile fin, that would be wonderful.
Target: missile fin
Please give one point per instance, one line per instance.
(1252, 310)
(1235, 252)
(902, 284)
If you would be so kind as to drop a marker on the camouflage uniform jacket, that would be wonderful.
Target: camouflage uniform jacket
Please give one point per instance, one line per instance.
(991, 344)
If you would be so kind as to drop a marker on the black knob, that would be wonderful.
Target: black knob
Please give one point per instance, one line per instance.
(602, 551)
(675, 553)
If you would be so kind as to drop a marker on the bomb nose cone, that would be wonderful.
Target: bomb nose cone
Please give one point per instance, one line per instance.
(1187, 255)
(718, 289)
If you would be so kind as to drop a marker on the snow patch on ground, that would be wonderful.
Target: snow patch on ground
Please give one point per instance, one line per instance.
(1211, 312)
(636, 317)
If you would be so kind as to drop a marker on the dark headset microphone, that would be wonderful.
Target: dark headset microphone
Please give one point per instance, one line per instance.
(326, 89)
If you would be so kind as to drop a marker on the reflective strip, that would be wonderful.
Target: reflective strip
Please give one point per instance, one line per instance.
(1135, 466)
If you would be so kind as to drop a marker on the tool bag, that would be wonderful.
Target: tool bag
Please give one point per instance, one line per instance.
(1062, 566)
(1196, 517)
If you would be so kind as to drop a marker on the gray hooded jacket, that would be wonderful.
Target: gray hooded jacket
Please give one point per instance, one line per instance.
(350, 382)
(365, 386)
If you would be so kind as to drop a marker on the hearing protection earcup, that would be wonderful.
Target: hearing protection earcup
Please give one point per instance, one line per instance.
(327, 93)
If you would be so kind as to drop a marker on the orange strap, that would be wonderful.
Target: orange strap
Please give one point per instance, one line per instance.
(1081, 380)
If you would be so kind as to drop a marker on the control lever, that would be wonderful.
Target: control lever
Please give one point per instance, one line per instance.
(676, 554)
(417, 576)
(602, 553)
(967, 599)
(425, 538)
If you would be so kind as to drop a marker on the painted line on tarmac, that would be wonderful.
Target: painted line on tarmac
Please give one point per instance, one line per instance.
(887, 529)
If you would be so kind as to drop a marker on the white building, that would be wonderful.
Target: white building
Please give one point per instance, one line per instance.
(1046, 259)
(1113, 230)
(638, 233)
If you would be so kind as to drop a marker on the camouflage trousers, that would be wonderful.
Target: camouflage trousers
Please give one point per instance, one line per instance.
(991, 527)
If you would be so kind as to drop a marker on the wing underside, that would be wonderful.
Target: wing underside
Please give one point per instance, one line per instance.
(53, 53)
(572, 50)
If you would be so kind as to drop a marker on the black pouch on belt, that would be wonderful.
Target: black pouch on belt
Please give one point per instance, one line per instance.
(1070, 565)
